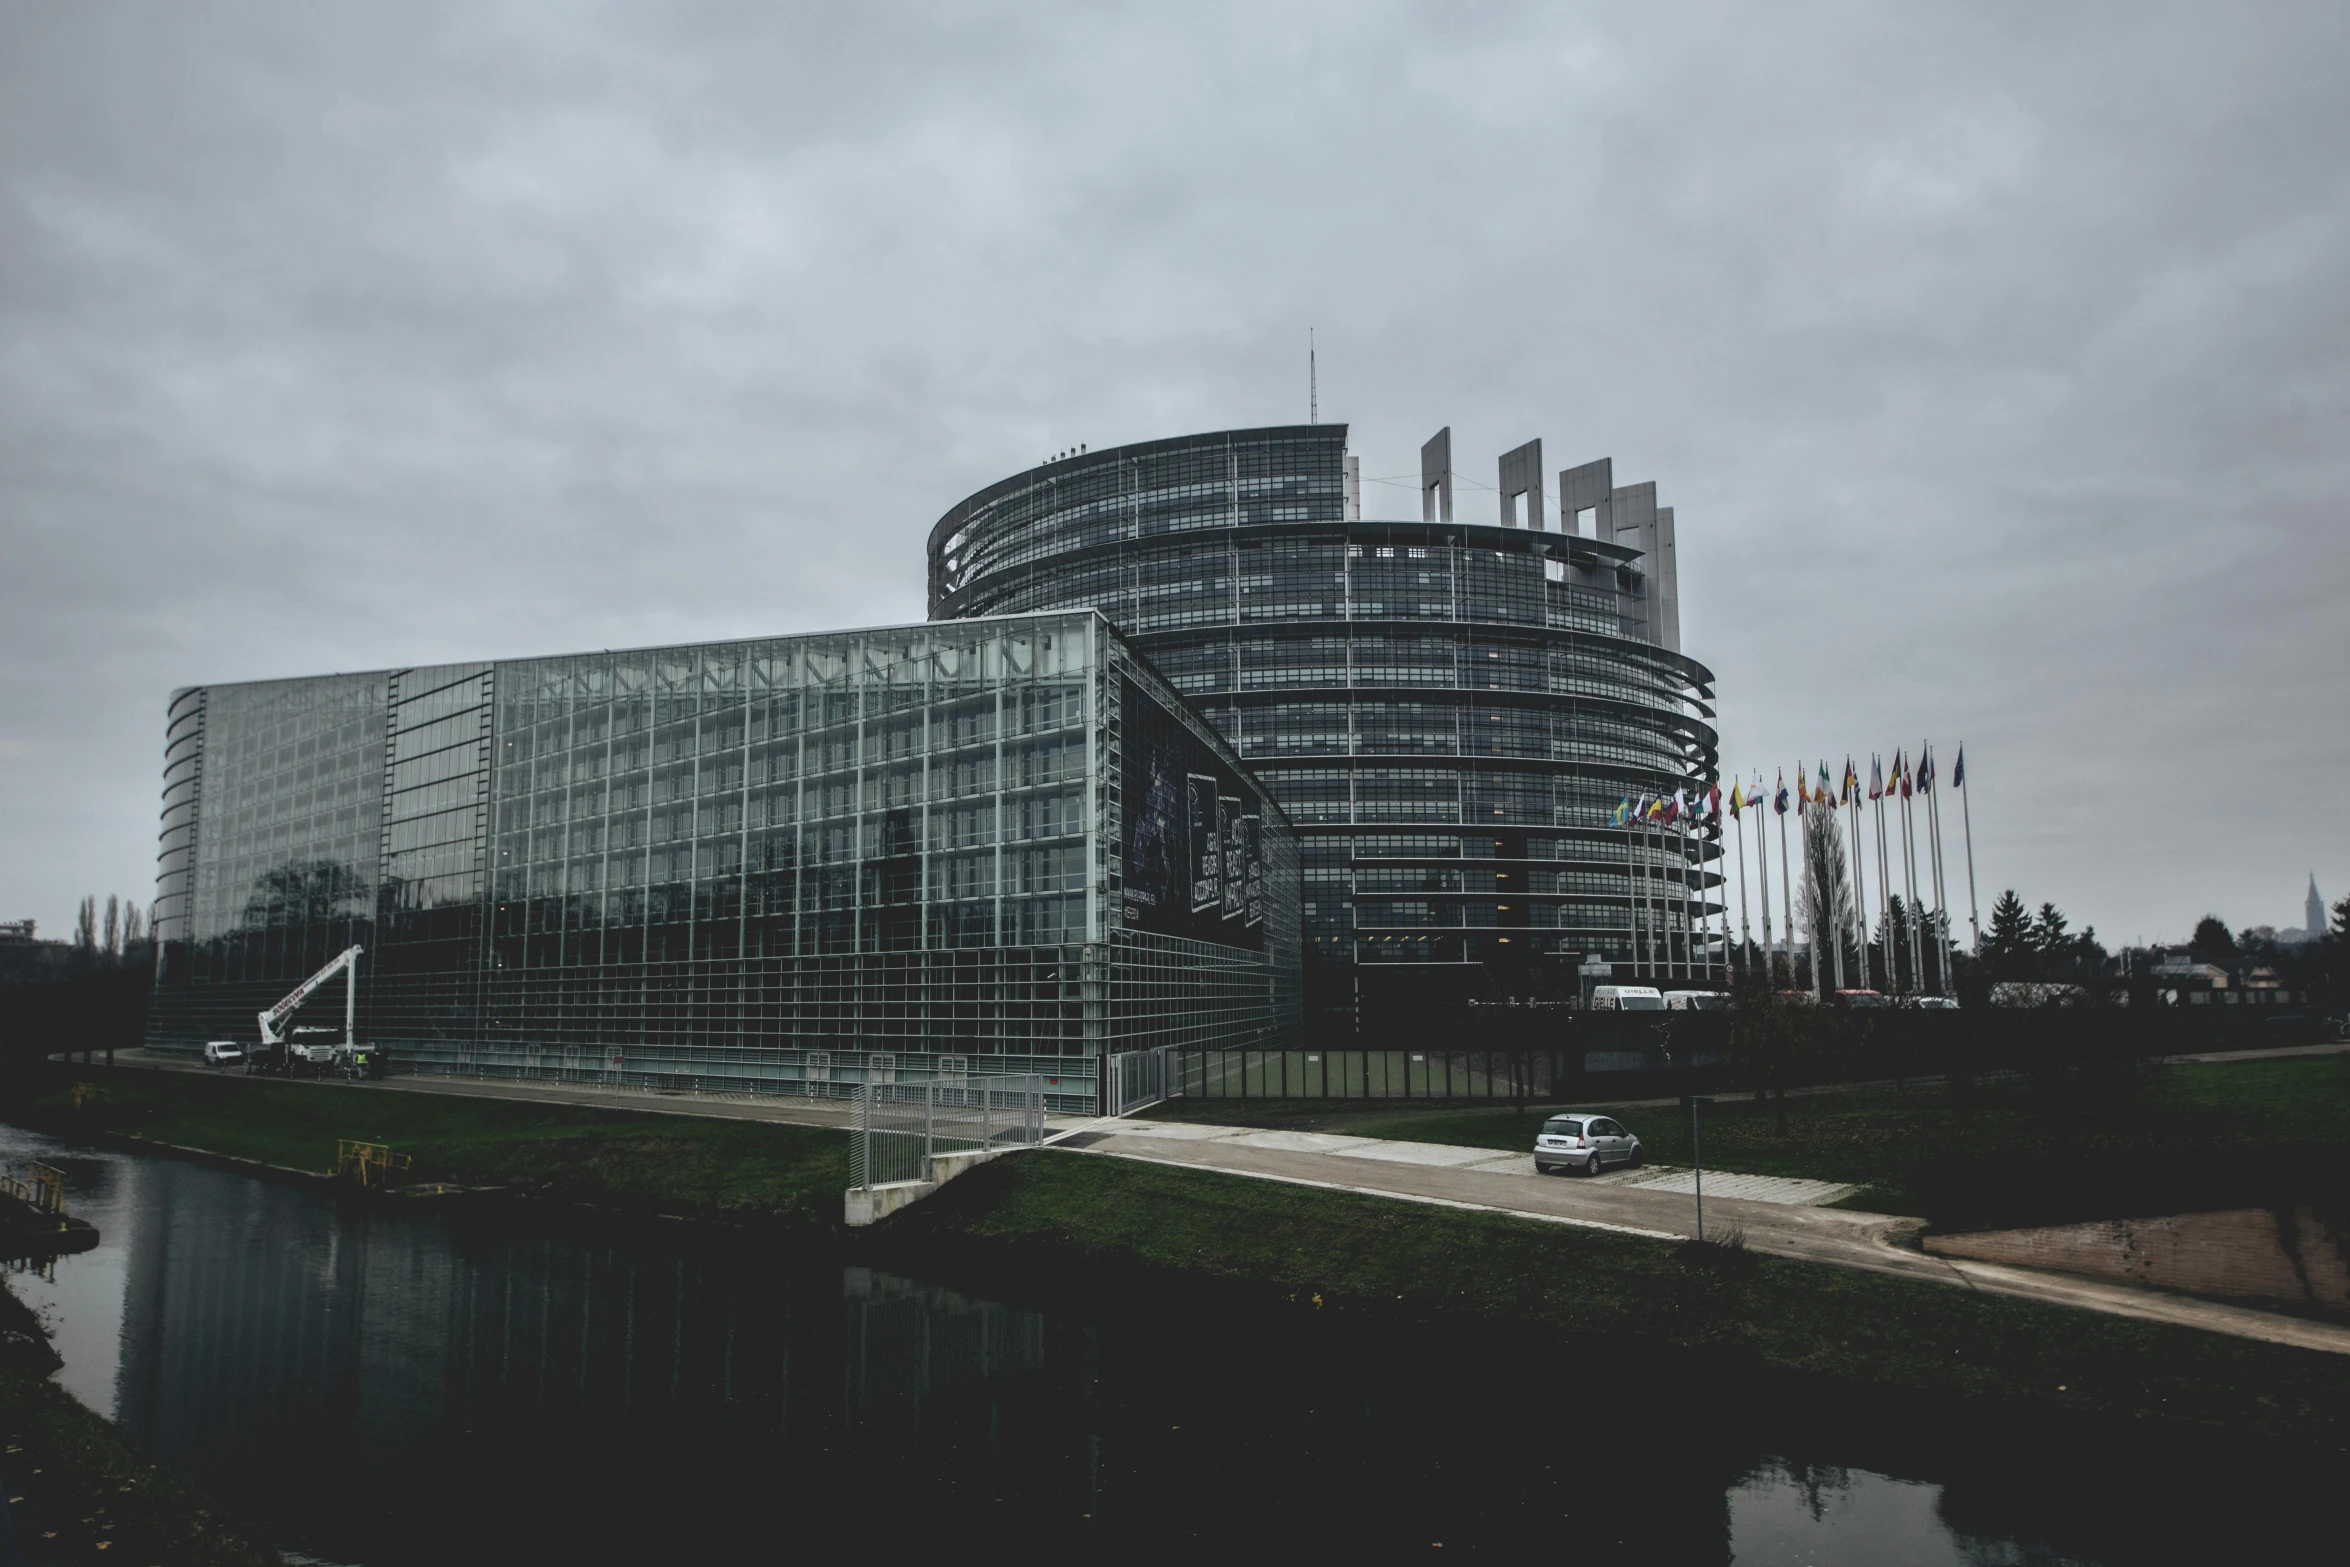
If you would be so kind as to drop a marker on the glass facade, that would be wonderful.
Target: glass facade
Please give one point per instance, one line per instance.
(1450, 712)
(789, 864)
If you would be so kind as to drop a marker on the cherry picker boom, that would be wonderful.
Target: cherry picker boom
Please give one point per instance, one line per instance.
(274, 1049)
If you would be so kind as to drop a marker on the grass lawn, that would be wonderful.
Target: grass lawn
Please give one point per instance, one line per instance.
(1337, 1249)
(2204, 1120)
(665, 1162)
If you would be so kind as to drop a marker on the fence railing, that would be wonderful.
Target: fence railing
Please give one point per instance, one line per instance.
(903, 1128)
(1541, 1054)
(1133, 1080)
(41, 1187)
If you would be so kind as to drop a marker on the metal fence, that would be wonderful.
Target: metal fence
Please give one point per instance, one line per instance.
(903, 1128)
(1134, 1079)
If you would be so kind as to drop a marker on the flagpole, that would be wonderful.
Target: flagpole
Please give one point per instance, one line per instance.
(1966, 818)
(1884, 886)
(1909, 877)
(1934, 857)
(1770, 971)
(1688, 914)
(1745, 931)
(1787, 893)
(1632, 886)
(1632, 877)
(1860, 905)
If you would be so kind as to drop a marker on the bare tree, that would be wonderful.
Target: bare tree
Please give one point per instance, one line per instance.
(1825, 905)
(85, 925)
(134, 924)
(112, 942)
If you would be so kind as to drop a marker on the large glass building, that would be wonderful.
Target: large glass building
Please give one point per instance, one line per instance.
(790, 865)
(1451, 711)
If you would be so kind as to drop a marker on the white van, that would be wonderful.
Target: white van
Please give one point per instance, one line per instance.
(1627, 998)
(221, 1052)
(1696, 1001)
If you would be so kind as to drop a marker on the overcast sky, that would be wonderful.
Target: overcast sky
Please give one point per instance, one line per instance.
(1996, 358)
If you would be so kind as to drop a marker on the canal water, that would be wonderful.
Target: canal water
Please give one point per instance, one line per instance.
(380, 1386)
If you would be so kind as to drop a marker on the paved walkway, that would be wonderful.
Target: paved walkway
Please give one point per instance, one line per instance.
(1788, 1226)
(1338, 1145)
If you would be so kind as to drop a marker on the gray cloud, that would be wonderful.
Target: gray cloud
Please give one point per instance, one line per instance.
(1994, 357)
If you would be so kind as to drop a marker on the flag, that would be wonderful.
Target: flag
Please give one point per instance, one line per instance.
(1738, 799)
(1821, 793)
(1779, 803)
(1908, 778)
(1621, 814)
(1713, 801)
(1926, 768)
(1958, 770)
(1876, 778)
(1850, 794)
(1802, 788)
(1680, 807)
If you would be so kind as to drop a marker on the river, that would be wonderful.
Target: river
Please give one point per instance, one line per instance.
(383, 1386)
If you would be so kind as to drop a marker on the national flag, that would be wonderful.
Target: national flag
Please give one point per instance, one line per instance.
(1680, 807)
(1908, 778)
(1958, 770)
(1876, 777)
(1926, 768)
(1621, 814)
(1779, 802)
(1713, 801)
(1821, 793)
(1850, 793)
(1738, 798)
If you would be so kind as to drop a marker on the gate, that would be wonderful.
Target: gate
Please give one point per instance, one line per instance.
(902, 1128)
(1133, 1080)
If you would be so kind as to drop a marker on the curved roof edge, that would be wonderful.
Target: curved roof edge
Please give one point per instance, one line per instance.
(1133, 449)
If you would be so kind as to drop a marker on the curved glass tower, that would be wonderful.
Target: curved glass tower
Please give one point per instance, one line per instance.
(1450, 711)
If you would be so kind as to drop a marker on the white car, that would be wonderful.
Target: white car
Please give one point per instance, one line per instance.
(1584, 1143)
(223, 1052)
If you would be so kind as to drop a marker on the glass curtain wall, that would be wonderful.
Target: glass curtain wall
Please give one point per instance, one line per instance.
(1449, 712)
(797, 863)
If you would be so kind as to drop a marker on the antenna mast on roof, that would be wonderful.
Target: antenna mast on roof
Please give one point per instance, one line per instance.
(1313, 383)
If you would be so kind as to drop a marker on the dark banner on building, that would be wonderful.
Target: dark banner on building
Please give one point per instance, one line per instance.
(1194, 843)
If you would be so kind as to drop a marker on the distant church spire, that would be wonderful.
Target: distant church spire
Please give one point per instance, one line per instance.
(2317, 910)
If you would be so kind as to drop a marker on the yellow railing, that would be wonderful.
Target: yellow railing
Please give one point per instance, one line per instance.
(370, 1164)
(42, 1186)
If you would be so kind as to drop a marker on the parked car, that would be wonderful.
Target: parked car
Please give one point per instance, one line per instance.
(1627, 998)
(1582, 1142)
(1930, 1003)
(1860, 1000)
(223, 1052)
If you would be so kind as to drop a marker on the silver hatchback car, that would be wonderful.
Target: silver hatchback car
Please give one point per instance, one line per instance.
(1584, 1143)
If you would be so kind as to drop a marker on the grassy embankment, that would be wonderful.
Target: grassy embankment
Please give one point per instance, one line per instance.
(2199, 1136)
(77, 1487)
(727, 1169)
(1052, 1214)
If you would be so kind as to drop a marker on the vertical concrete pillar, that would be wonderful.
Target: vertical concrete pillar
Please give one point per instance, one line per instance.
(1521, 474)
(1587, 489)
(1436, 477)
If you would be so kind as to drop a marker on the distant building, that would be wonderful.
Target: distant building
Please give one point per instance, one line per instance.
(2315, 910)
(16, 933)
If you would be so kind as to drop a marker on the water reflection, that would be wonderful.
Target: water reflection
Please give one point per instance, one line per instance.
(389, 1386)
